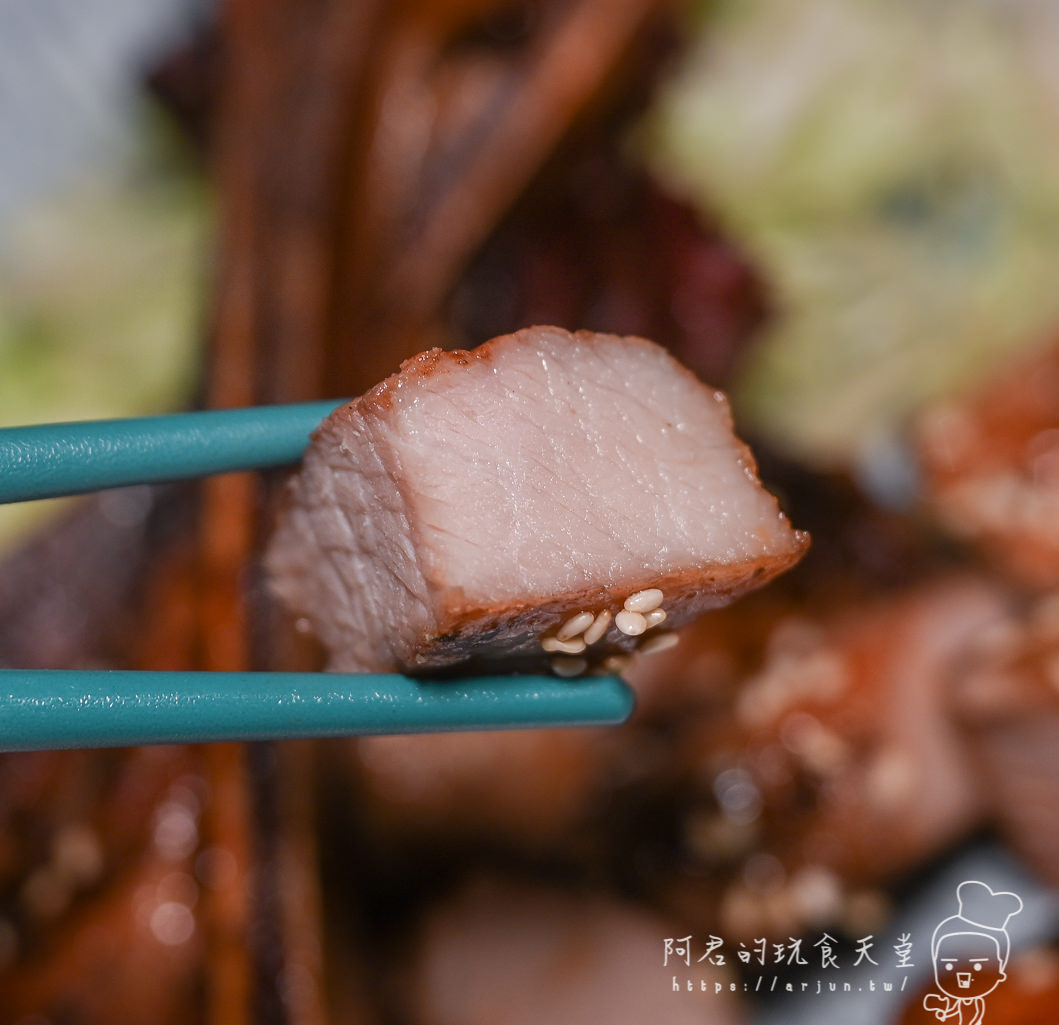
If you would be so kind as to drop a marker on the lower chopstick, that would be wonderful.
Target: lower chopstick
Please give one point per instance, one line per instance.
(47, 709)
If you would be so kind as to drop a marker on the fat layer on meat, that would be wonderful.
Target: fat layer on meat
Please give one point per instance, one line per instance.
(469, 504)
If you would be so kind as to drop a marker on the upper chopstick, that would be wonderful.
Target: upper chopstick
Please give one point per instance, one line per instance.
(47, 709)
(48, 460)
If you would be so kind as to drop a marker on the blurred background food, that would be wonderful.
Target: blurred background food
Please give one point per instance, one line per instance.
(102, 222)
(846, 213)
(894, 170)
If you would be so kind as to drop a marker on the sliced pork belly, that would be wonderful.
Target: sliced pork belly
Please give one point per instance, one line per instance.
(546, 496)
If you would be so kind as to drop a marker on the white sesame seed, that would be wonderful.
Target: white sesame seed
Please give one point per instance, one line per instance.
(575, 626)
(571, 647)
(644, 601)
(659, 642)
(655, 617)
(564, 665)
(632, 624)
(598, 627)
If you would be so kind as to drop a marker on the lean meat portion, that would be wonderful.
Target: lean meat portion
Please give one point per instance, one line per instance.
(547, 496)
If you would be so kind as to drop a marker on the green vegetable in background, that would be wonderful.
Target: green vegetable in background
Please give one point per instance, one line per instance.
(101, 300)
(894, 168)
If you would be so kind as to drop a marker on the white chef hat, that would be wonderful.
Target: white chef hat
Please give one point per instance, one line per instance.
(982, 911)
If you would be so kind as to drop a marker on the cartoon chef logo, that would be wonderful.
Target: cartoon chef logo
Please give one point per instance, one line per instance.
(970, 952)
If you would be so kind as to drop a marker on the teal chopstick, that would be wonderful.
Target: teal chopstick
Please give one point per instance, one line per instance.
(47, 709)
(49, 460)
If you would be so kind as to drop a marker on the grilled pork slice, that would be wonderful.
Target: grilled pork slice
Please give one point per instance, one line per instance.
(546, 496)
